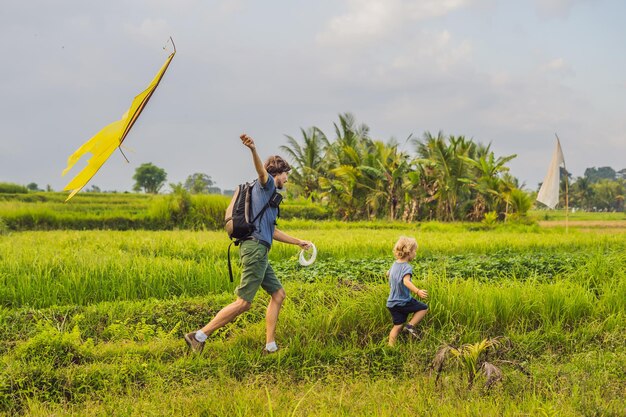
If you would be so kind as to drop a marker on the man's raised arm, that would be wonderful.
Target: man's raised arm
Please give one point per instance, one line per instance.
(258, 164)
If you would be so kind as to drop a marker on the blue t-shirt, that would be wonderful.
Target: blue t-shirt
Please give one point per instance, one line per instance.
(265, 224)
(399, 294)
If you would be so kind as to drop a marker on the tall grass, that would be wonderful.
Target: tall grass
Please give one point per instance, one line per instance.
(46, 268)
(180, 210)
(328, 332)
(346, 397)
(91, 324)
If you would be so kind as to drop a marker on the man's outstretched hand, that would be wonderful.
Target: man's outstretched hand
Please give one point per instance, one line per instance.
(305, 244)
(247, 141)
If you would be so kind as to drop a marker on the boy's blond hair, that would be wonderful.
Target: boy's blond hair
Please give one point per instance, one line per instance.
(405, 246)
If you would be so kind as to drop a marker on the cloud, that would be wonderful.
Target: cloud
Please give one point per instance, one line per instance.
(368, 20)
(150, 31)
(558, 8)
(407, 61)
(557, 66)
(229, 7)
(439, 51)
(400, 66)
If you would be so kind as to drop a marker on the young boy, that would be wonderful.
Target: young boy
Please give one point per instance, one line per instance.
(400, 303)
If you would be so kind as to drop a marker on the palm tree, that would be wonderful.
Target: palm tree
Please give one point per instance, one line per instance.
(443, 164)
(385, 168)
(520, 203)
(342, 190)
(508, 185)
(609, 195)
(582, 191)
(347, 184)
(419, 192)
(308, 160)
(488, 182)
(364, 178)
(351, 139)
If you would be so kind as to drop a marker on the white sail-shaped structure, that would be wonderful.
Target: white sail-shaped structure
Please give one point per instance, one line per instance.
(549, 191)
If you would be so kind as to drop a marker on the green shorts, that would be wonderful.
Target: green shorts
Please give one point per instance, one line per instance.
(256, 271)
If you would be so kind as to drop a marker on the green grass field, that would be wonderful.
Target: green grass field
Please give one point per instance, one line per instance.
(91, 323)
(552, 215)
(111, 211)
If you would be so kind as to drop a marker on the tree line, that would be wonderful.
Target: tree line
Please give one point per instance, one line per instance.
(446, 178)
(594, 191)
(150, 178)
(438, 177)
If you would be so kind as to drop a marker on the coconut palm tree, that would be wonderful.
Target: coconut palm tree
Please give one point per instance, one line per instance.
(609, 195)
(395, 166)
(520, 203)
(350, 143)
(488, 183)
(444, 166)
(346, 185)
(385, 168)
(360, 177)
(308, 160)
(582, 191)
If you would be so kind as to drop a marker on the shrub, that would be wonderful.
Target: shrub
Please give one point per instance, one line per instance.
(10, 188)
(520, 202)
(183, 210)
(305, 211)
(490, 219)
(53, 347)
(207, 211)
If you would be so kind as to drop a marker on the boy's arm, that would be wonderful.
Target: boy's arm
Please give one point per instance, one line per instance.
(409, 284)
(258, 164)
(285, 238)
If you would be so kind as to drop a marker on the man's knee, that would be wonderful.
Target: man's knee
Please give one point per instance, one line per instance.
(243, 305)
(279, 296)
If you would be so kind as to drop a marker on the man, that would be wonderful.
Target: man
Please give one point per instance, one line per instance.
(256, 270)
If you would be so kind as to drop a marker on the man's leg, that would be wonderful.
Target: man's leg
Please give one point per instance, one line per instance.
(195, 340)
(226, 315)
(254, 263)
(273, 309)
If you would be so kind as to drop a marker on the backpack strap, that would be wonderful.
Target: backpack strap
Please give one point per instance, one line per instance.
(230, 268)
(260, 213)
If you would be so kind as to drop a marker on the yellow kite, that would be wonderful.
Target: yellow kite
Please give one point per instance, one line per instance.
(103, 143)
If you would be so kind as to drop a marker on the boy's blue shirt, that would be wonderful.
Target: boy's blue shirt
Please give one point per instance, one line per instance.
(399, 294)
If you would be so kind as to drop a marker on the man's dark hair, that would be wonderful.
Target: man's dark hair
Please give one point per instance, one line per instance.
(276, 165)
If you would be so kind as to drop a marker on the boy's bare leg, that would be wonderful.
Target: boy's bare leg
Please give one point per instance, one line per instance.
(271, 317)
(393, 335)
(417, 317)
(226, 315)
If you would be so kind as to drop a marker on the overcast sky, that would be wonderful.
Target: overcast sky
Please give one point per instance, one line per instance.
(507, 72)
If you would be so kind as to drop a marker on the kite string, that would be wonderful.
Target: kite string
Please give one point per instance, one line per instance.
(173, 45)
(120, 148)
